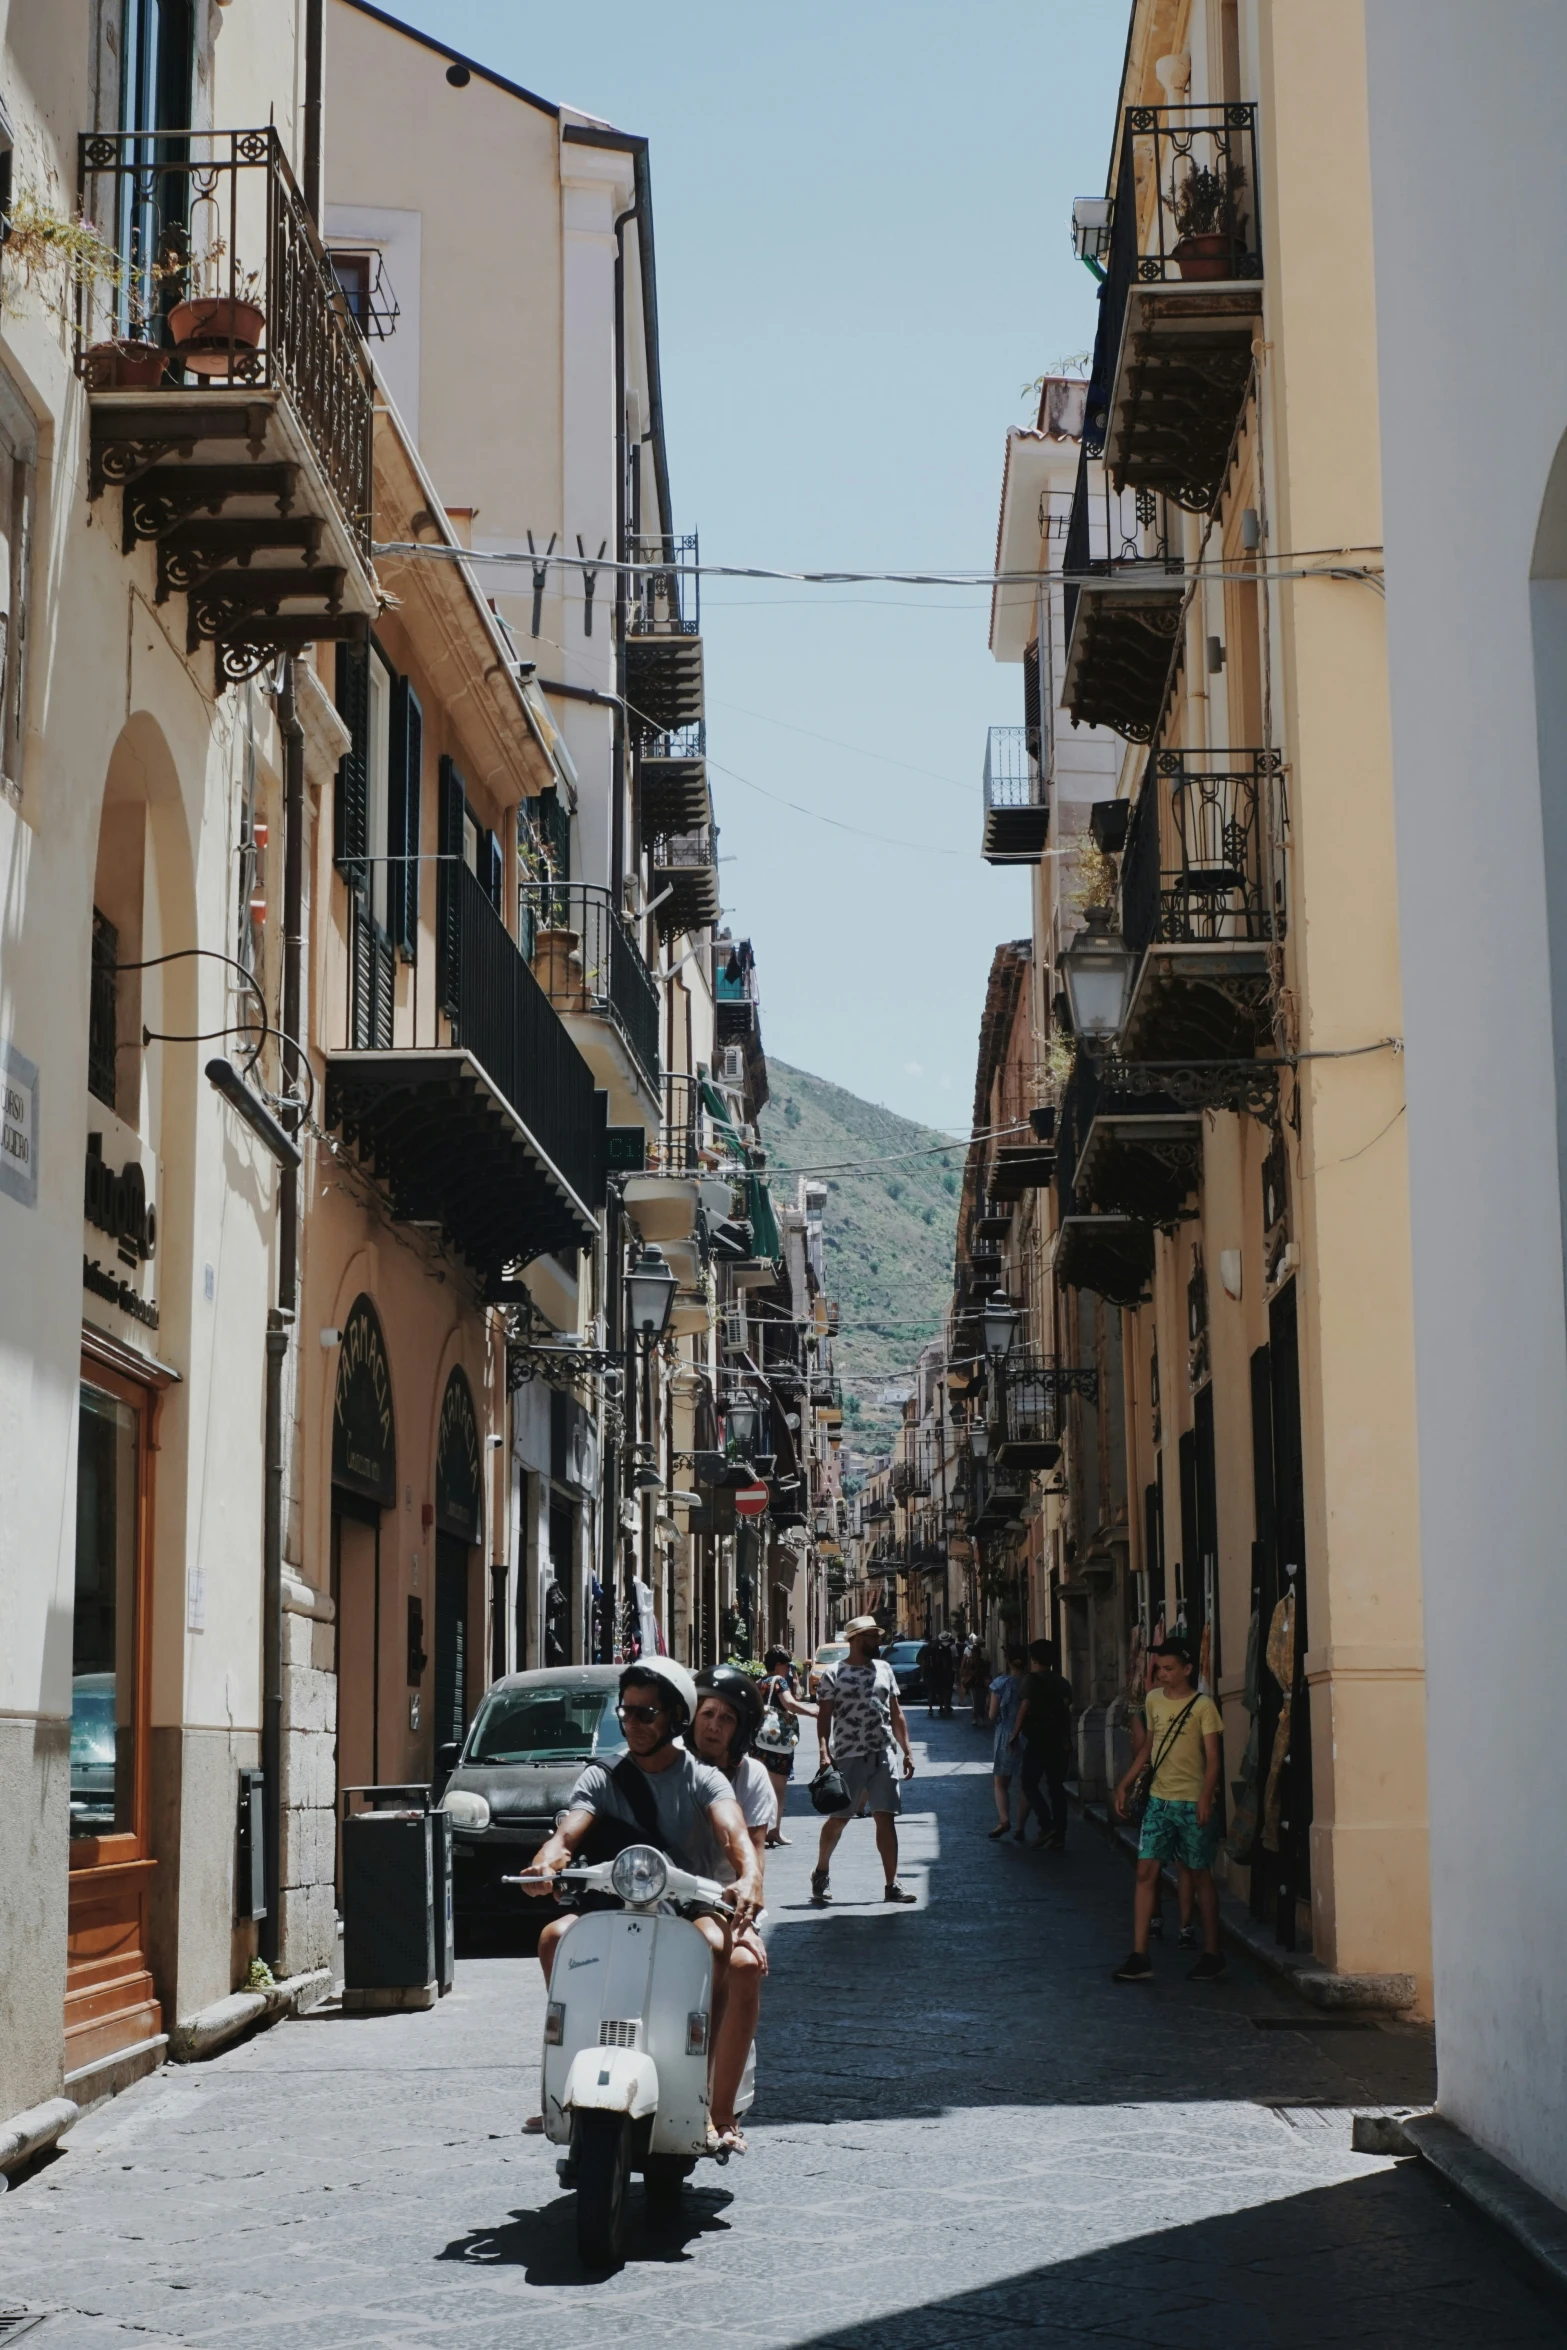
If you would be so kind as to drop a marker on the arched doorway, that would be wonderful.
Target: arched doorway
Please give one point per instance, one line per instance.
(459, 1529)
(364, 1484)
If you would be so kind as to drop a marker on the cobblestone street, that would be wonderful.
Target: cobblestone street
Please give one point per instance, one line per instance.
(963, 2131)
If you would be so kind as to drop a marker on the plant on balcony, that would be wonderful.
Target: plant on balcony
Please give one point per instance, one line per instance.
(218, 330)
(1207, 218)
(63, 258)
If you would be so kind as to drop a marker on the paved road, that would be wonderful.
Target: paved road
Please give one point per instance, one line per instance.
(965, 2134)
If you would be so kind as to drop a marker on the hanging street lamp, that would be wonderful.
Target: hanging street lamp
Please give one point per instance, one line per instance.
(650, 1294)
(1098, 968)
(998, 1323)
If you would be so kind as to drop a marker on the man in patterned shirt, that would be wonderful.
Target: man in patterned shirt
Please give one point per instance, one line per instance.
(859, 1719)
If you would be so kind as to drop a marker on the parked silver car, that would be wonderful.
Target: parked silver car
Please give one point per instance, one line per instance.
(524, 1752)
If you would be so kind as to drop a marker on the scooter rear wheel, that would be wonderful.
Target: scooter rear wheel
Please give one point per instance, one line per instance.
(603, 2167)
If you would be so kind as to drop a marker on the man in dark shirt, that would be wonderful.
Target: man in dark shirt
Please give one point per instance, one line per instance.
(1044, 1726)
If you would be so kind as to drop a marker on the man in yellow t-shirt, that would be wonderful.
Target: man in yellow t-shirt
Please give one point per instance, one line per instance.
(1181, 1736)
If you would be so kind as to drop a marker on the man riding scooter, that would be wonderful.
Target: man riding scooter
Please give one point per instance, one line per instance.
(660, 1794)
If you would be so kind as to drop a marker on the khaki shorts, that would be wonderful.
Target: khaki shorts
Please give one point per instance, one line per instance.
(869, 1780)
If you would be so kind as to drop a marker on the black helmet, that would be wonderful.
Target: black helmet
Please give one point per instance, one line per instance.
(738, 1692)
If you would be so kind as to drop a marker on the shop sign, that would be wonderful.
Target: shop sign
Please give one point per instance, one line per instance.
(119, 1219)
(459, 1507)
(364, 1440)
(18, 1126)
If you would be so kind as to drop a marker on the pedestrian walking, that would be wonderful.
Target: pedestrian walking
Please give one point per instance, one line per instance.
(775, 1742)
(1006, 1695)
(1043, 1735)
(1177, 1761)
(859, 1725)
(936, 1667)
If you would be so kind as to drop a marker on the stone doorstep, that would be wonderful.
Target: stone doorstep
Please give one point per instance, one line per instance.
(1534, 2222)
(1385, 1994)
(391, 2000)
(211, 2028)
(29, 2133)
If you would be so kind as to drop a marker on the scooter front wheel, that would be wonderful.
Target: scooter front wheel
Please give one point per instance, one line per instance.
(603, 2168)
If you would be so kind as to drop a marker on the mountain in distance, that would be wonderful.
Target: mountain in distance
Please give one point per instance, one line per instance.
(889, 1231)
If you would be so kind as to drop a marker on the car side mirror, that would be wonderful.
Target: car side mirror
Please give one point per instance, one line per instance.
(446, 1756)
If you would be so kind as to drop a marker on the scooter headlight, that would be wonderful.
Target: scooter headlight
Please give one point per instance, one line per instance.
(639, 1874)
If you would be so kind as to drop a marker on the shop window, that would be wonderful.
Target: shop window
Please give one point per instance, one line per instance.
(103, 1024)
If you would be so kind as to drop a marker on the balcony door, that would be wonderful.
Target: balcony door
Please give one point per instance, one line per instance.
(459, 1530)
(377, 831)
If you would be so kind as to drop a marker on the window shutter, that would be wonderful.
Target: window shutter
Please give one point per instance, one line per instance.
(407, 753)
(491, 867)
(449, 895)
(351, 802)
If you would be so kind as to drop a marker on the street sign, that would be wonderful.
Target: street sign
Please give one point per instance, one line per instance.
(750, 1501)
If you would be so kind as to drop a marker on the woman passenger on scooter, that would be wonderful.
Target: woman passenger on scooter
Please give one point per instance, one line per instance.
(688, 1810)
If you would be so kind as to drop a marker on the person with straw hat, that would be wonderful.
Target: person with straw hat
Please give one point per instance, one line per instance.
(859, 1721)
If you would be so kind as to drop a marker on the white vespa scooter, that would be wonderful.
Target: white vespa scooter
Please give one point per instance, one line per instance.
(626, 2038)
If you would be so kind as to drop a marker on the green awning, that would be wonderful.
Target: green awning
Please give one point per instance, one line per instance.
(765, 1241)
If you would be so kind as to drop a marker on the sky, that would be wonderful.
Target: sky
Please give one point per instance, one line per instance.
(862, 218)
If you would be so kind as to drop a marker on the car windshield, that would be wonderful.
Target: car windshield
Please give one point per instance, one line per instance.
(545, 1722)
(833, 1653)
(904, 1652)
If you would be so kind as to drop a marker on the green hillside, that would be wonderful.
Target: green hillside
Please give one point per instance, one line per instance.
(889, 1231)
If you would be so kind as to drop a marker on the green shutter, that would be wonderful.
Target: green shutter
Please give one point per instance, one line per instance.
(406, 758)
(449, 895)
(351, 801)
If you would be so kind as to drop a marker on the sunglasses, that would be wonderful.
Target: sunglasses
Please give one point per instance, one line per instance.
(639, 1713)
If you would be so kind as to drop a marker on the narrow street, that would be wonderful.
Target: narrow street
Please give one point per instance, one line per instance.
(963, 2132)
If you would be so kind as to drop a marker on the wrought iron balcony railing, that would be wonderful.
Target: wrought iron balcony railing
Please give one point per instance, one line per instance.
(664, 636)
(586, 959)
(1017, 804)
(1172, 355)
(217, 267)
(457, 1079)
(1121, 600)
(685, 880)
(1203, 851)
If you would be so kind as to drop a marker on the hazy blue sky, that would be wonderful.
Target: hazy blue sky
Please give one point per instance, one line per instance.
(862, 217)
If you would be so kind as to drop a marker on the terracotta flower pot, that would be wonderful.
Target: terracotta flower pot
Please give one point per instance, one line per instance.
(125, 366)
(214, 333)
(1208, 256)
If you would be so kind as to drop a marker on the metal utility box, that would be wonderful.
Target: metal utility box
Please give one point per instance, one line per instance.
(389, 1898)
(250, 1856)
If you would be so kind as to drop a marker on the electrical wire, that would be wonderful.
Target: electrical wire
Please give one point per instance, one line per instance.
(1231, 568)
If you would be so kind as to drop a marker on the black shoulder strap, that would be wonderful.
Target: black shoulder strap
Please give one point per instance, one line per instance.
(639, 1795)
(1171, 1735)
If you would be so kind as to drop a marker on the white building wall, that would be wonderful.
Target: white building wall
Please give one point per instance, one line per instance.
(1473, 369)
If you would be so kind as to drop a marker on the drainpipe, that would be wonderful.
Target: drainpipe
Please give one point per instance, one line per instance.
(315, 77)
(280, 1324)
(618, 812)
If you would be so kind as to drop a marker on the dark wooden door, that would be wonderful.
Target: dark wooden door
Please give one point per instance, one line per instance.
(451, 1639)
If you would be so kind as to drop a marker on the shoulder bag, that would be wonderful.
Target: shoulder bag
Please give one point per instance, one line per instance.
(1141, 1789)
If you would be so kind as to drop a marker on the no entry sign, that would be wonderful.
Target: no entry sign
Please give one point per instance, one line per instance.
(750, 1500)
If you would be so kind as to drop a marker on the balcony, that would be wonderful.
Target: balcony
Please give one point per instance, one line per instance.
(459, 1087)
(230, 394)
(664, 636)
(586, 959)
(1017, 806)
(999, 1496)
(1107, 1251)
(1122, 596)
(1181, 301)
(1202, 895)
(1139, 1151)
(1023, 1155)
(671, 782)
(735, 1004)
(684, 881)
(992, 1219)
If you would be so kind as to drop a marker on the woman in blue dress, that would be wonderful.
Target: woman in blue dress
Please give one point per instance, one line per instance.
(1006, 1695)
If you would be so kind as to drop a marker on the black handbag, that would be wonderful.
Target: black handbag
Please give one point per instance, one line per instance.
(1141, 1789)
(828, 1792)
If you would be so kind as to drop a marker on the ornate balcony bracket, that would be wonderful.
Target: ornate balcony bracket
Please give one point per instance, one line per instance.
(1247, 1087)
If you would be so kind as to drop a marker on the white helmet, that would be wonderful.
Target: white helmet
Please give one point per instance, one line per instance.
(674, 1677)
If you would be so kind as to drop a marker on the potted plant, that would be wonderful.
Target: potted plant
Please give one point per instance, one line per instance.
(1207, 220)
(217, 334)
(62, 257)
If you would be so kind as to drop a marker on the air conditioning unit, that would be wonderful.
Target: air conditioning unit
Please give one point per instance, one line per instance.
(731, 1065)
(734, 1329)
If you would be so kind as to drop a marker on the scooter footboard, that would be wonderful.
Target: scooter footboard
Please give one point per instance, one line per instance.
(612, 2080)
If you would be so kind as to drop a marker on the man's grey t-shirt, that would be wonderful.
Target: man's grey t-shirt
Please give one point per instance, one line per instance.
(682, 1797)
